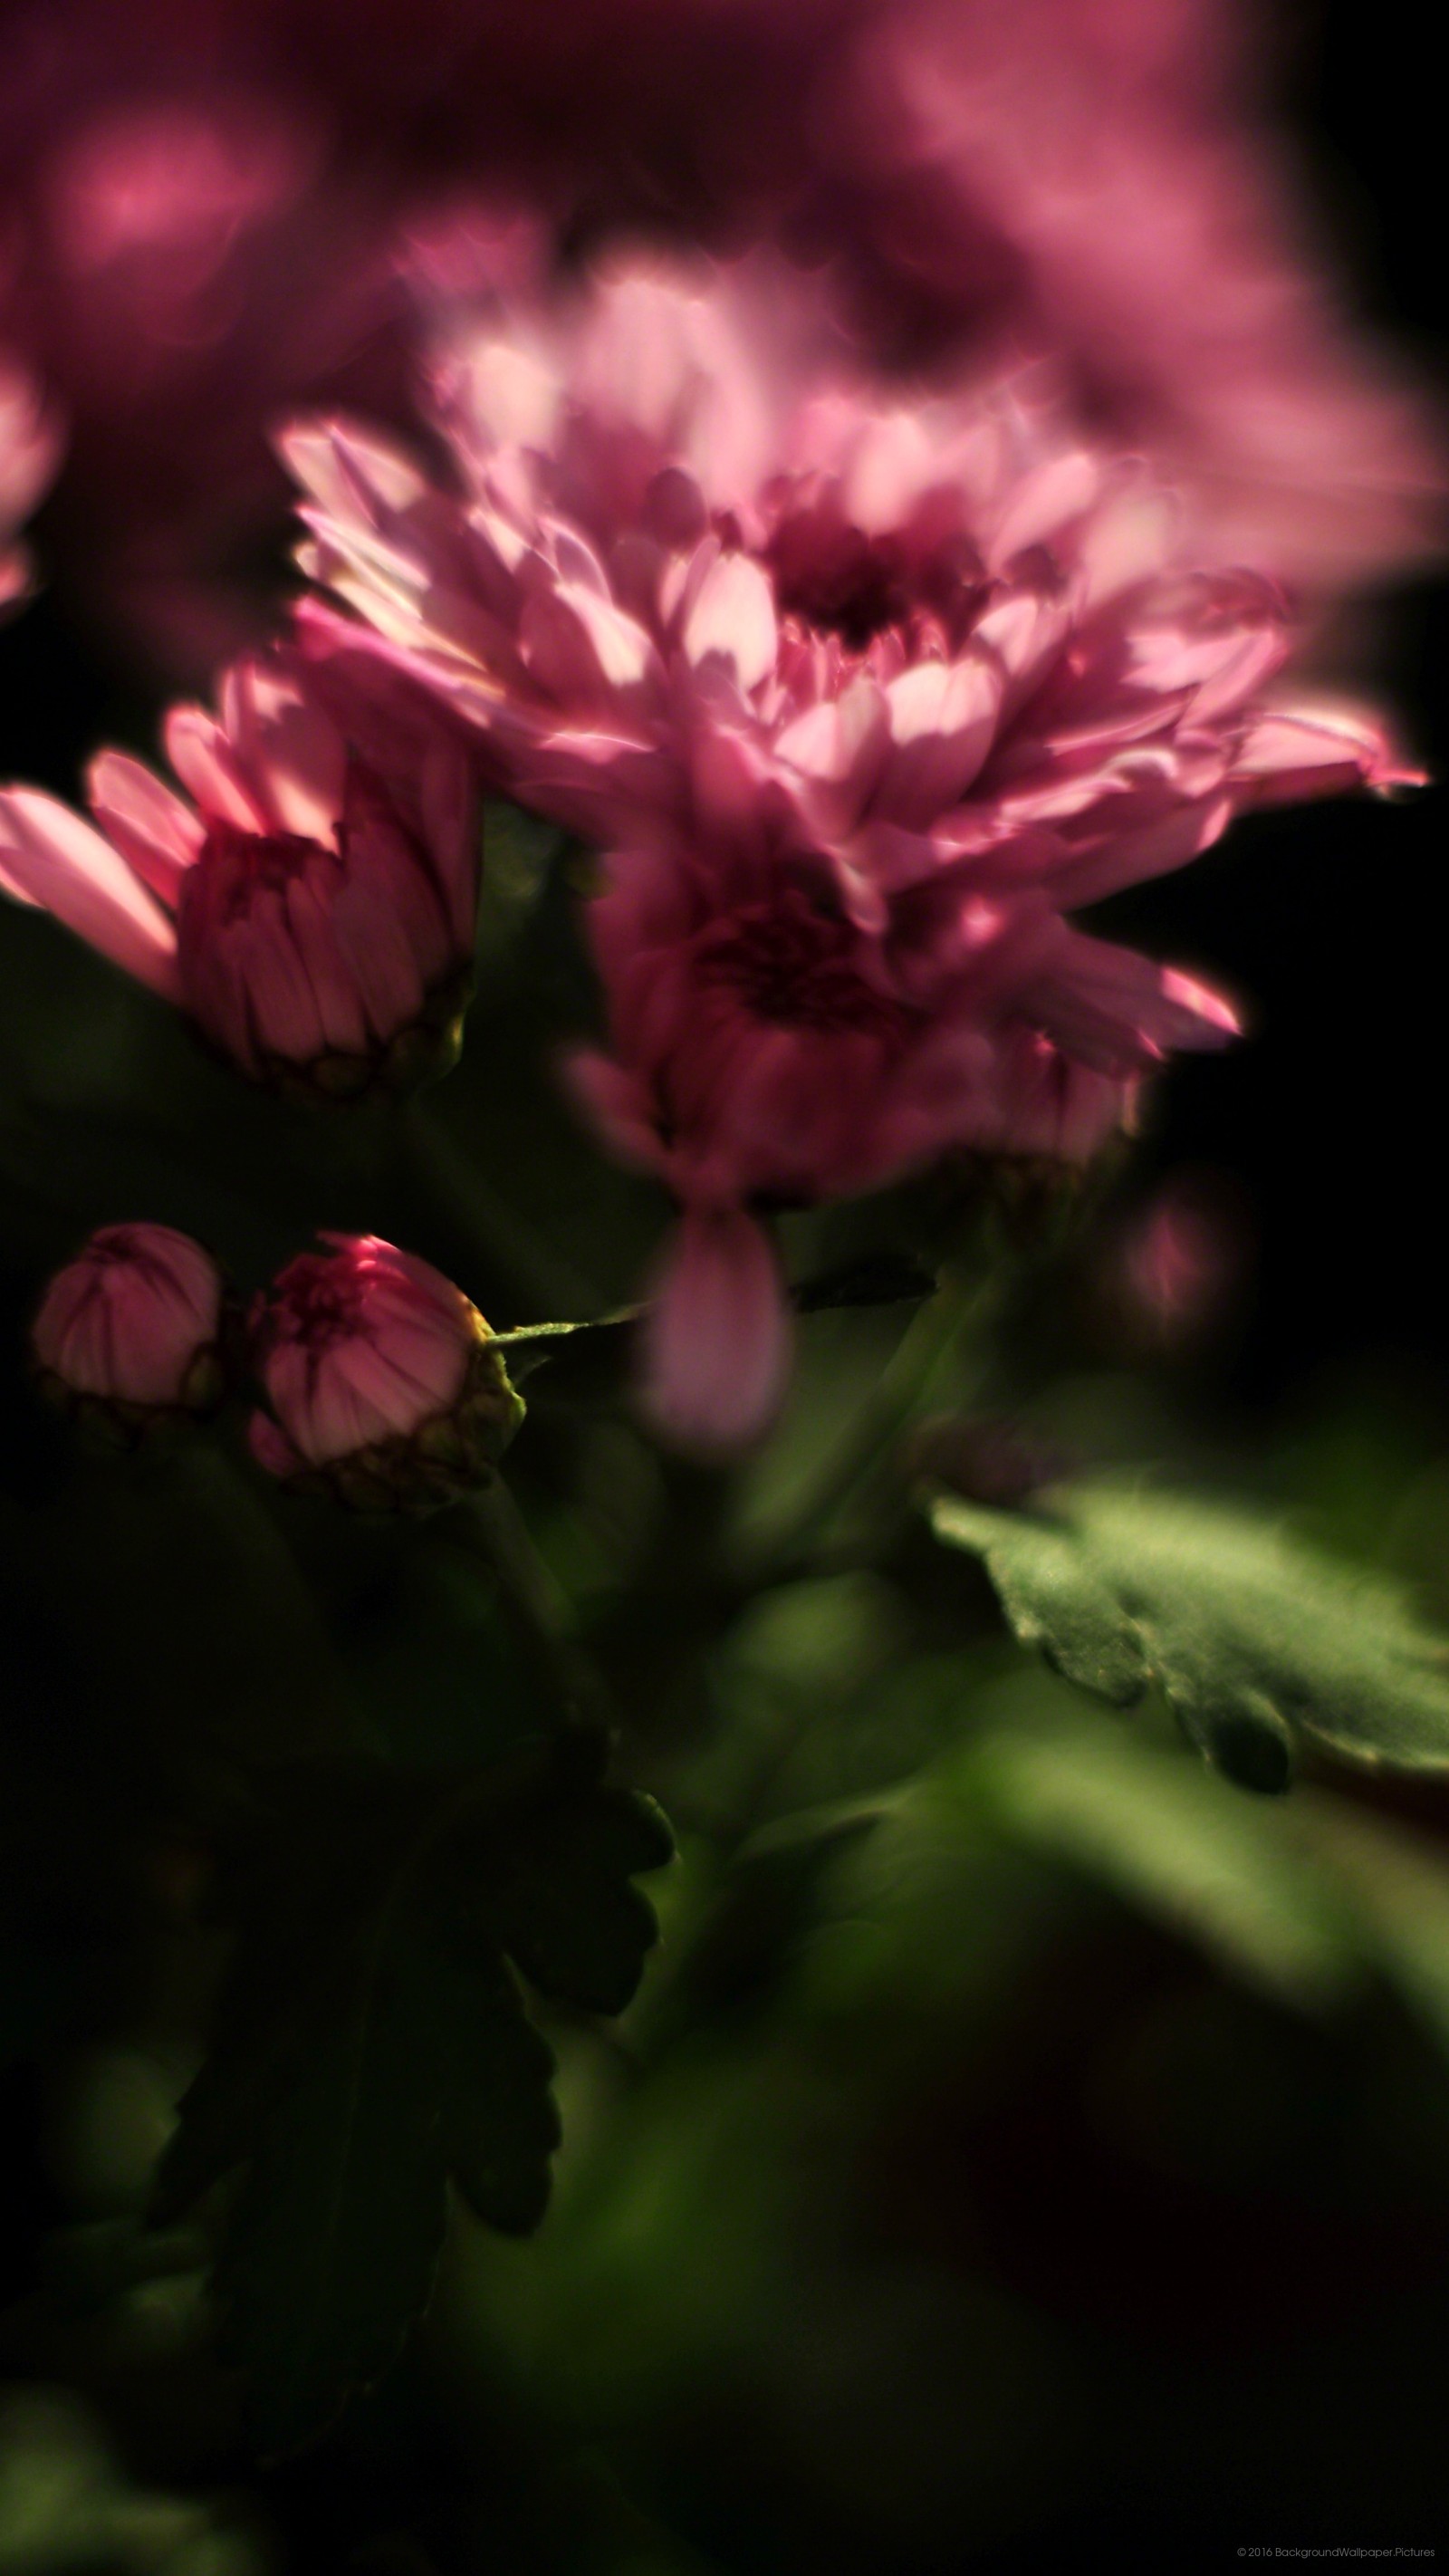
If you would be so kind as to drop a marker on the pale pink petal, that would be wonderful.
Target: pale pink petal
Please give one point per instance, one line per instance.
(1117, 1013)
(1317, 748)
(290, 753)
(732, 616)
(211, 771)
(148, 824)
(580, 647)
(942, 720)
(1047, 498)
(56, 860)
(349, 470)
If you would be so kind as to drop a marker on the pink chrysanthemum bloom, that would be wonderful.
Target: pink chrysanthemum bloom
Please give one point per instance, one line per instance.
(683, 523)
(29, 444)
(312, 905)
(382, 1384)
(129, 1332)
(863, 701)
(768, 1050)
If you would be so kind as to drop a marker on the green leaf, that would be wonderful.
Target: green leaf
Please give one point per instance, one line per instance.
(564, 1906)
(372, 2042)
(1256, 1639)
(1396, 1881)
(1221, 1871)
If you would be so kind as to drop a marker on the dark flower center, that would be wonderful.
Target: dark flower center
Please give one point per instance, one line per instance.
(317, 1300)
(795, 966)
(852, 585)
(239, 865)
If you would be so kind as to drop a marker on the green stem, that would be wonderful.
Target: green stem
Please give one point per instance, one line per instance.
(617, 1315)
(930, 1344)
(538, 1610)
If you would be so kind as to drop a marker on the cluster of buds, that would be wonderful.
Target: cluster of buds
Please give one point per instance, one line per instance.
(384, 1387)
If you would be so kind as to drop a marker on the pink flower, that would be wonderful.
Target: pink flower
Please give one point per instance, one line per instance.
(182, 260)
(382, 1388)
(204, 212)
(29, 444)
(863, 701)
(769, 1050)
(129, 1330)
(696, 559)
(312, 906)
(1096, 181)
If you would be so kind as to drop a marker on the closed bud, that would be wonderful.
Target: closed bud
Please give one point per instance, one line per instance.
(129, 1333)
(383, 1384)
(309, 901)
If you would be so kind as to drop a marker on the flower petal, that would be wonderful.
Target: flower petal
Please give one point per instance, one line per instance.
(732, 616)
(50, 857)
(717, 1334)
(153, 830)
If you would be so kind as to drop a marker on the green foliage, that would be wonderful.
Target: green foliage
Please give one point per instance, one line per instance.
(66, 2504)
(1232, 1876)
(373, 2041)
(1256, 1639)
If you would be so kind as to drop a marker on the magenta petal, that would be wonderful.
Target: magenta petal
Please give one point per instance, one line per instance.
(270, 1447)
(618, 1105)
(717, 1334)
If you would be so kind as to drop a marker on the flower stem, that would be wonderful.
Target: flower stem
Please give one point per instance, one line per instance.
(963, 1303)
(538, 1610)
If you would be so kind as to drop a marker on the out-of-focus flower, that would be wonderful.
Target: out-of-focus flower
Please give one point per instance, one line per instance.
(129, 1333)
(184, 257)
(1090, 181)
(1174, 1267)
(207, 213)
(1087, 183)
(312, 906)
(1094, 181)
(383, 1385)
(29, 444)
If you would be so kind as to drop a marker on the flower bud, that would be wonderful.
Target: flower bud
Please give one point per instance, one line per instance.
(384, 1388)
(128, 1333)
(310, 902)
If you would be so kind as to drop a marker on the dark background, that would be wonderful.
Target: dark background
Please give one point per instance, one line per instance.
(1241, 2309)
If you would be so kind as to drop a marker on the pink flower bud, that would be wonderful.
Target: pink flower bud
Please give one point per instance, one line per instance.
(310, 902)
(383, 1386)
(128, 1332)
